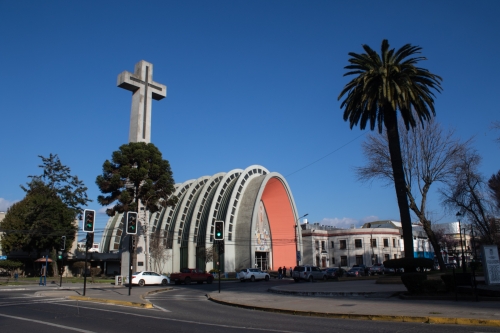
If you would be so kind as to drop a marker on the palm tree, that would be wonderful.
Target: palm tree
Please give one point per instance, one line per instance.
(385, 84)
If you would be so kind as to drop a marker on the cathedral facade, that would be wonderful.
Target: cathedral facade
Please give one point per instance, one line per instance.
(261, 227)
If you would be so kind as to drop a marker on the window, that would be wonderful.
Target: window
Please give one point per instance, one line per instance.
(343, 261)
(386, 242)
(374, 243)
(359, 260)
(333, 260)
(323, 245)
(394, 242)
(386, 257)
(395, 256)
(358, 243)
(343, 244)
(316, 243)
(332, 245)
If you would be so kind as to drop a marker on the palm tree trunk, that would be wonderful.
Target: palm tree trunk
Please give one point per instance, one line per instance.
(391, 125)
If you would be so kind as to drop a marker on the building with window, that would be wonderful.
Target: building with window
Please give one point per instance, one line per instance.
(328, 246)
(260, 225)
(374, 242)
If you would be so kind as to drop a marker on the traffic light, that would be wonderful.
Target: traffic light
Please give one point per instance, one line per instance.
(59, 255)
(89, 242)
(62, 245)
(131, 223)
(88, 220)
(219, 230)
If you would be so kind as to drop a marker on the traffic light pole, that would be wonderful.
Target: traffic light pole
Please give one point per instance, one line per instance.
(219, 263)
(61, 270)
(129, 263)
(85, 269)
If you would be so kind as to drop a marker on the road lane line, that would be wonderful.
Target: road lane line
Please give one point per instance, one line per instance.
(46, 323)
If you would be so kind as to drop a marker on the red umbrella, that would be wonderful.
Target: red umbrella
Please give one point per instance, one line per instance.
(43, 260)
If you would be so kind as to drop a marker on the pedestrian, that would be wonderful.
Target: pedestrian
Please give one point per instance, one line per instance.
(291, 272)
(280, 272)
(16, 276)
(284, 271)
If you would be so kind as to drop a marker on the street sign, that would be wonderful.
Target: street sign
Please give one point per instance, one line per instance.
(3, 257)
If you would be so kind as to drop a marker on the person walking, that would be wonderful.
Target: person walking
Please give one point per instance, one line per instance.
(284, 271)
(280, 272)
(291, 272)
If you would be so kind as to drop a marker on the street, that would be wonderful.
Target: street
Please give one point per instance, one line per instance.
(183, 309)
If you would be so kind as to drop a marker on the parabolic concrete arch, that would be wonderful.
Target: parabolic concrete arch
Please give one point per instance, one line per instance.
(260, 223)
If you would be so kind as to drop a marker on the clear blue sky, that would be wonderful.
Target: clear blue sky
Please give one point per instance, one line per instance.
(249, 82)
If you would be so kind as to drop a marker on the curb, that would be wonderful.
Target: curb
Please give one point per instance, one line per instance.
(110, 301)
(404, 319)
(368, 294)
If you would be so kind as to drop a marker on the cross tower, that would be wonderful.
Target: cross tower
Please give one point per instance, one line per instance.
(144, 89)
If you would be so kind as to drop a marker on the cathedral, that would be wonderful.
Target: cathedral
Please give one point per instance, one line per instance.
(261, 223)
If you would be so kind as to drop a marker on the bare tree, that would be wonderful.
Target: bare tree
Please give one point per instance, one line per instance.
(429, 155)
(158, 252)
(466, 190)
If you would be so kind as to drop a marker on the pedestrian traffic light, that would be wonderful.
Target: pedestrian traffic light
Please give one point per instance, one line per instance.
(89, 241)
(219, 230)
(59, 255)
(131, 223)
(88, 220)
(62, 246)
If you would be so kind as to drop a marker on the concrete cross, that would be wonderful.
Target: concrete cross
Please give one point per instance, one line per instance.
(144, 89)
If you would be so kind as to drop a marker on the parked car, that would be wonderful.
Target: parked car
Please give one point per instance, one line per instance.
(188, 275)
(356, 271)
(388, 270)
(307, 273)
(377, 269)
(147, 278)
(365, 269)
(252, 274)
(334, 272)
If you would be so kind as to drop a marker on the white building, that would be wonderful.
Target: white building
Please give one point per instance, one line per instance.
(375, 242)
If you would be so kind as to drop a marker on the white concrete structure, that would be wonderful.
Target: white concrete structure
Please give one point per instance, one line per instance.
(260, 218)
(144, 89)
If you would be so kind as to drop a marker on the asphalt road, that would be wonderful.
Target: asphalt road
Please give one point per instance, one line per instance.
(184, 309)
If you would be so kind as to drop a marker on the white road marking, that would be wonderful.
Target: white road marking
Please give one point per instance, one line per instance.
(46, 323)
(51, 300)
(184, 321)
(162, 309)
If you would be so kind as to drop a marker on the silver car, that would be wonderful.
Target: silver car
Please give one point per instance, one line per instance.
(308, 273)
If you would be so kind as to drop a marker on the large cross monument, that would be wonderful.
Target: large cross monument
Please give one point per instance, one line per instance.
(143, 89)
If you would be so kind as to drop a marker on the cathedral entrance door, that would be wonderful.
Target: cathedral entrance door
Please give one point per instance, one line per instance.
(262, 260)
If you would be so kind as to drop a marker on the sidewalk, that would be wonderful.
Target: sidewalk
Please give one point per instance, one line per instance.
(362, 300)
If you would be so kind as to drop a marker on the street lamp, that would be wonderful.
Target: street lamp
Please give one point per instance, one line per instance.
(296, 244)
(459, 217)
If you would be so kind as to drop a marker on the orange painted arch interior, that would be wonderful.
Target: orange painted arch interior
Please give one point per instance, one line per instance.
(281, 222)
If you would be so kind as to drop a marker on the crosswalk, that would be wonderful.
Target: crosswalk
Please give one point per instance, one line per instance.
(26, 299)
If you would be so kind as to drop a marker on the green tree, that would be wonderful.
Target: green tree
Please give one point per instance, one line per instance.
(11, 266)
(136, 172)
(385, 84)
(58, 178)
(37, 222)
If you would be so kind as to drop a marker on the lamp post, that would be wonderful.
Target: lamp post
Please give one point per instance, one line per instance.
(459, 217)
(296, 243)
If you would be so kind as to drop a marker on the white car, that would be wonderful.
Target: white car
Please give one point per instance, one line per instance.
(252, 274)
(147, 278)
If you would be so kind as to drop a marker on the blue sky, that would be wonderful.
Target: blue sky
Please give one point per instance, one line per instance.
(249, 82)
